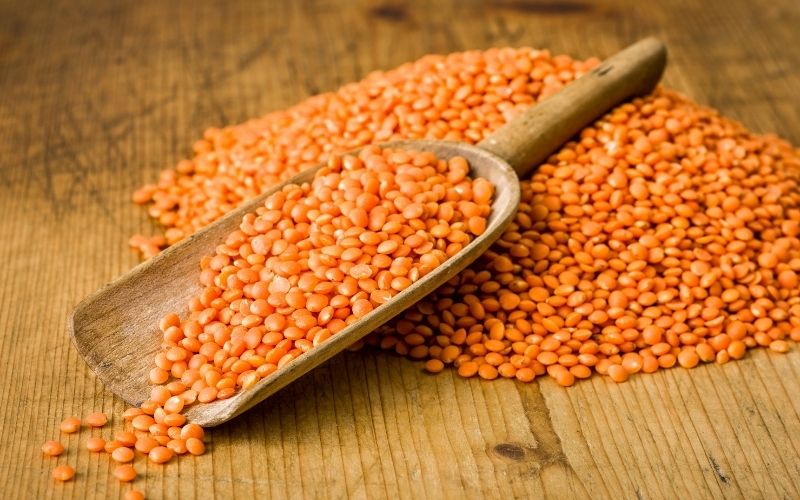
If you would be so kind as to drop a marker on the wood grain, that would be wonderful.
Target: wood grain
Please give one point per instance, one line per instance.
(96, 97)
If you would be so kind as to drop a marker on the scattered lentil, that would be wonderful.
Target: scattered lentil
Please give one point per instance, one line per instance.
(63, 473)
(134, 495)
(95, 444)
(70, 425)
(52, 448)
(125, 473)
(96, 419)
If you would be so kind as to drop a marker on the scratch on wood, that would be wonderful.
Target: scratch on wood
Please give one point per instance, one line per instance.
(718, 470)
(261, 48)
(505, 33)
(545, 7)
(389, 12)
(549, 450)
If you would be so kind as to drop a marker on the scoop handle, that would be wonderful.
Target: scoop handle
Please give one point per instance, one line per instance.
(527, 140)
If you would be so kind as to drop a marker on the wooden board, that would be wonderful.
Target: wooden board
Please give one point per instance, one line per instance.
(96, 97)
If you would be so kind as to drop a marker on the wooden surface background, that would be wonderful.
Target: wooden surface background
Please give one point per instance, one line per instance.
(97, 96)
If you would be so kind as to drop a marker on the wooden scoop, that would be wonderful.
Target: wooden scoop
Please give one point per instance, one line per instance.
(116, 328)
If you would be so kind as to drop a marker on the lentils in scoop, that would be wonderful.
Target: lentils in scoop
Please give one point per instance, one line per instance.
(663, 235)
(314, 259)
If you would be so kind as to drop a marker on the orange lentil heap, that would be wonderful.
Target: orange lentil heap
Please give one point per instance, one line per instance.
(300, 281)
(315, 258)
(664, 234)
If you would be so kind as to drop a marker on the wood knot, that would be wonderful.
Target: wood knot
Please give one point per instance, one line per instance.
(394, 13)
(510, 451)
(545, 6)
(602, 70)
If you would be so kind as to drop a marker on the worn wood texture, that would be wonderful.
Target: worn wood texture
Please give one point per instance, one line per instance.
(96, 97)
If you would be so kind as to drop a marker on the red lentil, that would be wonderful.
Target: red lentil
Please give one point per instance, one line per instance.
(95, 444)
(134, 495)
(63, 473)
(192, 431)
(125, 438)
(122, 454)
(125, 473)
(96, 419)
(178, 446)
(52, 448)
(70, 425)
(195, 446)
(161, 454)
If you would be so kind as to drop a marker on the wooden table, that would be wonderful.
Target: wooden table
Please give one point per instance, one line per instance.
(96, 97)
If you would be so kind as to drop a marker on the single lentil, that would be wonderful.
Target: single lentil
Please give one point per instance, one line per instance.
(70, 425)
(122, 454)
(96, 419)
(125, 473)
(134, 495)
(52, 448)
(95, 444)
(195, 446)
(161, 454)
(63, 473)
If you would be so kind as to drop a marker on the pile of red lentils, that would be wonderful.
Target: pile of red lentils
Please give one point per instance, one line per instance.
(458, 97)
(663, 235)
